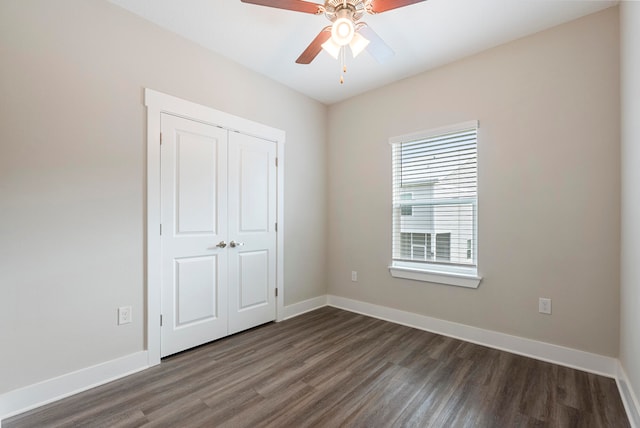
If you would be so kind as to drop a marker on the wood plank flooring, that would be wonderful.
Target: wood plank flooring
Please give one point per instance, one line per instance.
(332, 368)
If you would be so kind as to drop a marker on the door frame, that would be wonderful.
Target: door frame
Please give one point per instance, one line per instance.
(158, 103)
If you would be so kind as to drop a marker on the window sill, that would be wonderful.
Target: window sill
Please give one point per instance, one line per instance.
(439, 277)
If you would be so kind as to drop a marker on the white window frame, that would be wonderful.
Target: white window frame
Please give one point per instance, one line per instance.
(456, 275)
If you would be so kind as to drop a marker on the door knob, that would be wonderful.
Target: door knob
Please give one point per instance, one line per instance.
(221, 244)
(234, 244)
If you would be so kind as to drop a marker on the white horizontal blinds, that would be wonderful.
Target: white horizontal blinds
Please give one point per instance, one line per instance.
(435, 197)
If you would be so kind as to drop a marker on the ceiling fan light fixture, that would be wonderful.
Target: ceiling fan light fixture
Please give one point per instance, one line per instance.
(342, 31)
(358, 44)
(332, 48)
(345, 17)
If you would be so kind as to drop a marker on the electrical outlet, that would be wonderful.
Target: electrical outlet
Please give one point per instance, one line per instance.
(354, 276)
(544, 305)
(124, 315)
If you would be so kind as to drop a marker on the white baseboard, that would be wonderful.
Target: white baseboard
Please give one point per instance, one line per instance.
(29, 397)
(32, 396)
(586, 361)
(300, 308)
(629, 398)
(573, 358)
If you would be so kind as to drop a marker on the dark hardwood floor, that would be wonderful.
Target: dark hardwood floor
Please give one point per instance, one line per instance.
(331, 368)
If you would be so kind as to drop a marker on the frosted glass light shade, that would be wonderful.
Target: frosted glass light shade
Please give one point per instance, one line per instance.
(358, 44)
(342, 31)
(332, 48)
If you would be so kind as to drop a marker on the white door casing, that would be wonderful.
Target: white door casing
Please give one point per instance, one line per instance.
(158, 103)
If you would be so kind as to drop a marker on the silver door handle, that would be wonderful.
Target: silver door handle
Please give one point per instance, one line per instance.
(234, 244)
(221, 244)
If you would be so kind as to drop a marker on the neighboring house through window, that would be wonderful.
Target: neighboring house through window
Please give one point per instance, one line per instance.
(435, 204)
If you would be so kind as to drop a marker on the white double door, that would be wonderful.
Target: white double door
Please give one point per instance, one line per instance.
(218, 214)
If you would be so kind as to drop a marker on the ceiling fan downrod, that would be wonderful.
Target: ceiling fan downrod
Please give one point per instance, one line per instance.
(334, 9)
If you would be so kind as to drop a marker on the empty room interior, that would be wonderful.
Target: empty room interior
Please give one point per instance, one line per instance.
(443, 230)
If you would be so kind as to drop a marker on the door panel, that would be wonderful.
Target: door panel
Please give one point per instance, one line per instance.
(253, 278)
(194, 220)
(252, 216)
(196, 169)
(195, 290)
(254, 190)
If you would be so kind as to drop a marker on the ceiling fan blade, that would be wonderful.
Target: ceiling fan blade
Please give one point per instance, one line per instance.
(379, 6)
(378, 49)
(315, 47)
(295, 5)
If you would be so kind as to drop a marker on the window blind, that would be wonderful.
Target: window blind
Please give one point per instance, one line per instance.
(435, 177)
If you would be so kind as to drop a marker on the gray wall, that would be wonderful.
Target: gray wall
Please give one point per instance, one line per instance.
(72, 175)
(549, 185)
(630, 268)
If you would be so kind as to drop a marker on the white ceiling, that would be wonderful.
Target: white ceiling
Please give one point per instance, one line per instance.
(424, 36)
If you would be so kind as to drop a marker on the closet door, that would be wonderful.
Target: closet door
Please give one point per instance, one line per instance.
(194, 233)
(252, 233)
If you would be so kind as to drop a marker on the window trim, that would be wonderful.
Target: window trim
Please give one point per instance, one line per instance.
(461, 276)
(431, 274)
(423, 135)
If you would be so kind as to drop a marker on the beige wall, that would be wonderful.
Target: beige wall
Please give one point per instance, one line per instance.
(630, 268)
(549, 185)
(72, 168)
(72, 147)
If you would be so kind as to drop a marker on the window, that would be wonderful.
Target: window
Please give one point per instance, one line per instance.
(435, 205)
(406, 209)
(416, 246)
(443, 247)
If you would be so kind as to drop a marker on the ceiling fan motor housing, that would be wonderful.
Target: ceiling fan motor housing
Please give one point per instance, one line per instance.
(354, 9)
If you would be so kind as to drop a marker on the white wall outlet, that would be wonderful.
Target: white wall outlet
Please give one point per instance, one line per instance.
(354, 276)
(544, 305)
(124, 315)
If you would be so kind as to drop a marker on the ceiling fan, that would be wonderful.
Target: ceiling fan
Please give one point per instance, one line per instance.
(347, 29)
